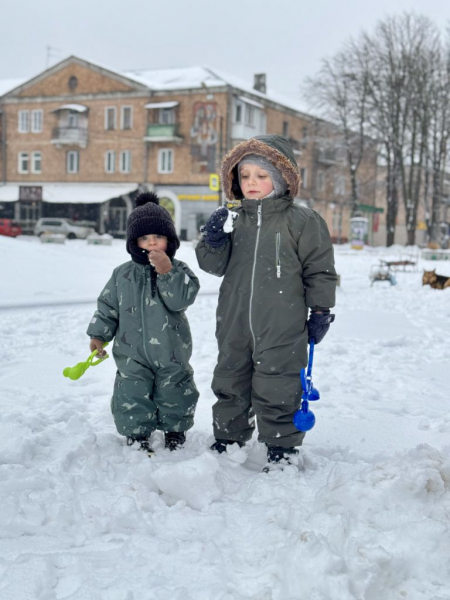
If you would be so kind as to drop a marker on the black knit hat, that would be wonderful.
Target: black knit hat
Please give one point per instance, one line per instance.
(147, 218)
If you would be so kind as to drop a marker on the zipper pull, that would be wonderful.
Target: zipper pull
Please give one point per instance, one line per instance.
(259, 215)
(277, 245)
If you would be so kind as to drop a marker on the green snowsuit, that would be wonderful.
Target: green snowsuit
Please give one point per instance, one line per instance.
(154, 386)
(277, 263)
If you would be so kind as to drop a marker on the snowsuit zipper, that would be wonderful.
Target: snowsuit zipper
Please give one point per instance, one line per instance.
(144, 333)
(277, 252)
(258, 224)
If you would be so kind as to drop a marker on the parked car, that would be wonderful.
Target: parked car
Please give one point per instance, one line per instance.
(65, 226)
(10, 228)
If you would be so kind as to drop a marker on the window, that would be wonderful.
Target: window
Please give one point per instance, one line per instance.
(262, 122)
(238, 113)
(285, 128)
(110, 161)
(72, 121)
(24, 121)
(341, 154)
(304, 137)
(72, 83)
(249, 114)
(125, 161)
(24, 162)
(337, 215)
(110, 117)
(339, 185)
(127, 117)
(304, 176)
(166, 116)
(165, 161)
(36, 121)
(73, 161)
(320, 181)
(36, 162)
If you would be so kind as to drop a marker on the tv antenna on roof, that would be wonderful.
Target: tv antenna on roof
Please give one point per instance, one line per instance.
(52, 52)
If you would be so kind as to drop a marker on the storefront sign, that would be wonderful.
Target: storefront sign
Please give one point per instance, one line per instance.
(212, 197)
(30, 193)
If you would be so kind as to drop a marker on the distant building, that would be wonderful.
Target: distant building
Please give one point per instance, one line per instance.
(80, 141)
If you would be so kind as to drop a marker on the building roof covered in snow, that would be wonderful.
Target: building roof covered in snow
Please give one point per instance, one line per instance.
(170, 80)
(205, 77)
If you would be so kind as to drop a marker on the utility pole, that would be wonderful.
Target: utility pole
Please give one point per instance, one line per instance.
(3, 125)
(220, 159)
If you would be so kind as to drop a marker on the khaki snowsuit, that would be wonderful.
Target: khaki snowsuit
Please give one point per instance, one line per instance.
(154, 386)
(277, 263)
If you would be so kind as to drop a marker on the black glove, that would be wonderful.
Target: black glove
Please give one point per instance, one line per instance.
(318, 325)
(215, 236)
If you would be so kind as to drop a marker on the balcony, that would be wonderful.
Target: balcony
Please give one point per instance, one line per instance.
(162, 133)
(74, 136)
(328, 156)
(297, 146)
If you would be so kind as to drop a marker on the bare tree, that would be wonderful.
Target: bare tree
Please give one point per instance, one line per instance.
(439, 140)
(340, 92)
(392, 85)
(392, 49)
(424, 57)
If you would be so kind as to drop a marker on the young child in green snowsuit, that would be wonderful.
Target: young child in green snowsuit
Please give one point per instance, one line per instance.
(142, 307)
(277, 262)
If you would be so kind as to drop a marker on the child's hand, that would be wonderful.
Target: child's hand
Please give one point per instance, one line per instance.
(215, 235)
(318, 325)
(97, 344)
(160, 261)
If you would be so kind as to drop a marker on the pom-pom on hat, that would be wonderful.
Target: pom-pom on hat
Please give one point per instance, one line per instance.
(149, 217)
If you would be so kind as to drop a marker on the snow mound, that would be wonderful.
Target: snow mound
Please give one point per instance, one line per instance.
(13, 443)
(193, 480)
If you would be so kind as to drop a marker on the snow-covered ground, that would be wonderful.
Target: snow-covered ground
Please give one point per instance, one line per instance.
(83, 517)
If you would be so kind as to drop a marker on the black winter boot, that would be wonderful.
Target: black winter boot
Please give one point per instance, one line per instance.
(221, 445)
(278, 456)
(143, 442)
(174, 439)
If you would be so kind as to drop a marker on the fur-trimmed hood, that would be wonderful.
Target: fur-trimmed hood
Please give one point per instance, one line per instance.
(275, 148)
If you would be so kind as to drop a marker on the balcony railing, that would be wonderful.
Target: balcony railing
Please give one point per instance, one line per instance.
(328, 156)
(162, 133)
(70, 135)
(297, 145)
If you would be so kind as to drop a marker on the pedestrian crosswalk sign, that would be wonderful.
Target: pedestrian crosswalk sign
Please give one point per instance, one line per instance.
(214, 182)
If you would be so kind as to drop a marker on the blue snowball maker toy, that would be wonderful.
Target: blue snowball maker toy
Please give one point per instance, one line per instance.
(304, 418)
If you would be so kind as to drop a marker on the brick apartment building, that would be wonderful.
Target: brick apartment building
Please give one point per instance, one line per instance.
(80, 141)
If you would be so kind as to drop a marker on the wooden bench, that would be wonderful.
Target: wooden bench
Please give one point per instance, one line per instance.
(400, 265)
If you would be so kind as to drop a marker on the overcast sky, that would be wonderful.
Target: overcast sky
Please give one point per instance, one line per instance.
(286, 39)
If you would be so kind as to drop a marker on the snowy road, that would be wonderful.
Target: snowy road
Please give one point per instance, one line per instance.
(83, 517)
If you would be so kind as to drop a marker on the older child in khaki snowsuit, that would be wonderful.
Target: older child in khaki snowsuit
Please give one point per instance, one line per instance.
(142, 307)
(277, 262)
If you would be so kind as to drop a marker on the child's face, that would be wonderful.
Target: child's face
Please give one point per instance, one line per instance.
(255, 182)
(152, 241)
